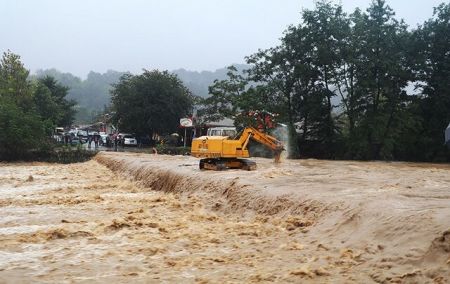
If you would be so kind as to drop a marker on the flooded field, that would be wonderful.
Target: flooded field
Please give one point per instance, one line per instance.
(151, 219)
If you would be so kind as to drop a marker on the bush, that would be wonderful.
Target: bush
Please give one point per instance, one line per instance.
(172, 150)
(62, 155)
(68, 154)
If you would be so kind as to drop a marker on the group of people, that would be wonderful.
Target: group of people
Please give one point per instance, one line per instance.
(112, 140)
(118, 139)
(93, 138)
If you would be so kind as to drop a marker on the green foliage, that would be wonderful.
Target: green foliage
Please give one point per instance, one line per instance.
(19, 130)
(28, 112)
(67, 155)
(198, 82)
(93, 93)
(382, 73)
(51, 103)
(164, 149)
(431, 59)
(225, 94)
(20, 125)
(150, 103)
(13, 81)
(90, 95)
(340, 83)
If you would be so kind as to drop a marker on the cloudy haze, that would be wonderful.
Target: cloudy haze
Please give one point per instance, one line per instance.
(80, 35)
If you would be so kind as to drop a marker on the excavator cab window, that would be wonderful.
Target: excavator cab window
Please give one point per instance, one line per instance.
(222, 131)
(229, 133)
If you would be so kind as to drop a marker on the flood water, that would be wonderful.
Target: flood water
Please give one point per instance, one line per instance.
(84, 222)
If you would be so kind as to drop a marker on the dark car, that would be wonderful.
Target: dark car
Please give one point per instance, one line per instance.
(82, 135)
(145, 141)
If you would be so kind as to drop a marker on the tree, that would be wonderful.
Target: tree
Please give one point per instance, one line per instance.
(431, 51)
(91, 95)
(327, 27)
(312, 51)
(21, 131)
(293, 79)
(236, 98)
(13, 81)
(224, 96)
(51, 102)
(20, 125)
(276, 69)
(150, 103)
(381, 73)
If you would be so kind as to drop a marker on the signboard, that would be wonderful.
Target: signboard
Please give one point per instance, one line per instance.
(186, 122)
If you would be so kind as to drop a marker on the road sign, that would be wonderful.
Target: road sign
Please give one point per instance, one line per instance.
(186, 122)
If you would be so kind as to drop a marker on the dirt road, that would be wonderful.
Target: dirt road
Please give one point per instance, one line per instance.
(159, 219)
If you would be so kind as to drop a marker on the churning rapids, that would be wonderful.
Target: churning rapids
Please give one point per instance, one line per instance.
(153, 218)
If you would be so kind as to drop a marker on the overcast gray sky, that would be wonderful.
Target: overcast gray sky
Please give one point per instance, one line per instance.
(81, 35)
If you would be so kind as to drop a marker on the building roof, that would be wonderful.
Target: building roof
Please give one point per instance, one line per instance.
(226, 122)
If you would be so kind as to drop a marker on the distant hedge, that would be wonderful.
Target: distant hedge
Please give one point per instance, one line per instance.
(67, 155)
(171, 150)
(62, 155)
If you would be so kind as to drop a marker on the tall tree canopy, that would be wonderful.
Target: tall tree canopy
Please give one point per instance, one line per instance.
(51, 102)
(431, 53)
(343, 84)
(150, 103)
(28, 110)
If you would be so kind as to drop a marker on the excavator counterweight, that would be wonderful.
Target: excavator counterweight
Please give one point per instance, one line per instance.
(221, 152)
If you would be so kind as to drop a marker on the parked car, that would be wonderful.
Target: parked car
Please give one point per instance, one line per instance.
(129, 140)
(58, 135)
(145, 141)
(75, 141)
(82, 135)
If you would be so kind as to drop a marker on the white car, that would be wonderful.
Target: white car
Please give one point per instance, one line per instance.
(104, 139)
(129, 140)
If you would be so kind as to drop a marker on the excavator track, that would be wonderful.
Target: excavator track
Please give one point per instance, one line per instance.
(224, 163)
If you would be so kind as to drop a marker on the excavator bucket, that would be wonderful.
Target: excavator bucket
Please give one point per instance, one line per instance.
(277, 155)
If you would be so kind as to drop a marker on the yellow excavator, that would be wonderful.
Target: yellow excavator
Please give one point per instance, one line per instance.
(222, 152)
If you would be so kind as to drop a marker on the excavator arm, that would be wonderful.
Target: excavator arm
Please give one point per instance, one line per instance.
(263, 138)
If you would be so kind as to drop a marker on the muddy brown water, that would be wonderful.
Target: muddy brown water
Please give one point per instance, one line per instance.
(147, 218)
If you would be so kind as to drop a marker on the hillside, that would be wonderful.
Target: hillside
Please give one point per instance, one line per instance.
(198, 82)
(92, 93)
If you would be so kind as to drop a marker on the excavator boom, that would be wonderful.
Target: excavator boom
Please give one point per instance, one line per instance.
(263, 138)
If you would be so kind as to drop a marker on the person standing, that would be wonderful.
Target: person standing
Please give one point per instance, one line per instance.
(96, 140)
